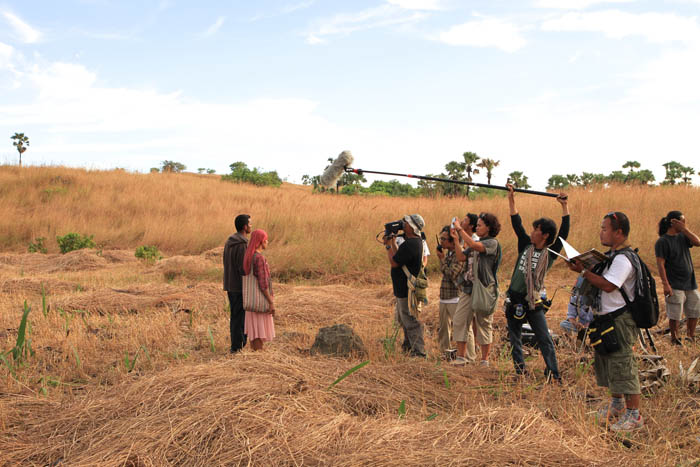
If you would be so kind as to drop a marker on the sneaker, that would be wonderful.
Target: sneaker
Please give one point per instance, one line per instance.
(676, 341)
(484, 363)
(607, 413)
(459, 361)
(628, 423)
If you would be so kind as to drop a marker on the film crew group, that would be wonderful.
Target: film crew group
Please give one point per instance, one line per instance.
(408, 278)
(244, 259)
(526, 298)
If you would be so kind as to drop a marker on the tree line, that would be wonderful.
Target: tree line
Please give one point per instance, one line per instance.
(676, 174)
(471, 165)
(462, 170)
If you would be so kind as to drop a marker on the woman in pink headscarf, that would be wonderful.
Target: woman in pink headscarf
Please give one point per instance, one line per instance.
(259, 326)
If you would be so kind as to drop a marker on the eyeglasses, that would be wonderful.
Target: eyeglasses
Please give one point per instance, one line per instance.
(444, 238)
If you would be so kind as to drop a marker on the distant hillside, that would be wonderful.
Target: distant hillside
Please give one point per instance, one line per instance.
(313, 236)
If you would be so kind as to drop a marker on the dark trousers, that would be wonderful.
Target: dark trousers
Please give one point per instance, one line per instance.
(539, 327)
(238, 337)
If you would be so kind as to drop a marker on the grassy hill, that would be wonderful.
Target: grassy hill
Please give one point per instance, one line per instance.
(127, 362)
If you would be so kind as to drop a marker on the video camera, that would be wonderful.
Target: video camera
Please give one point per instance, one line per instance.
(393, 228)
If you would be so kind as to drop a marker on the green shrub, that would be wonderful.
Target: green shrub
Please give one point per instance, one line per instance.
(74, 241)
(37, 246)
(148, 253)
(241, 173)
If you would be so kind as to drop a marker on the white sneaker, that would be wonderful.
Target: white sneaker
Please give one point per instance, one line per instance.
(484, 363)
(459, 361)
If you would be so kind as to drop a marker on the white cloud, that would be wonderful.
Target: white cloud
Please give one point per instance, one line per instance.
(671, 79)
(25, 32)
(297, 6)
(655, 27)
(485, 32)
(5, 54)
(346, 23)
(214, 28)
(164, 5)
(418, 4)
(102, 127)
(574, 4)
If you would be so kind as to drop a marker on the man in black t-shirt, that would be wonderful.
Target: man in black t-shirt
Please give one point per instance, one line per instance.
(409, 254)
(677, 273)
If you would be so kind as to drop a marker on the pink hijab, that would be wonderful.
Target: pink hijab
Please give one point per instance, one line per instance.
(256, 238)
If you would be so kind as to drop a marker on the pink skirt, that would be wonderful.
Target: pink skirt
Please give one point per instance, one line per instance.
(259, 326)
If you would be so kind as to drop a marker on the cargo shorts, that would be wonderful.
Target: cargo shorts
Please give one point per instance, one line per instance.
(619, 371)
(463, 317)
(683, 301)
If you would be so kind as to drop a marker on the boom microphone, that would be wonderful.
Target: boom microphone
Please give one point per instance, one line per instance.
(331, 175)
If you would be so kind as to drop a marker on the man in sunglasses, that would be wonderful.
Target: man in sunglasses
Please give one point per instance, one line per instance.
(615, 363)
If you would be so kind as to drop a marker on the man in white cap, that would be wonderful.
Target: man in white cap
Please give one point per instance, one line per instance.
(409, 254)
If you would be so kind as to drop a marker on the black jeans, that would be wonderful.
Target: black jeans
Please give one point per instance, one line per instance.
(238, 337)
(539, 327)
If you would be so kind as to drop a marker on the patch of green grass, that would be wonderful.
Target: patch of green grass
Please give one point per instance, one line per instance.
(211, 340)
(348, 373)
(18, 355)
(74, 241)
(149, 253)
(44, 309)
(130, 363)
(402, 409)
(389, 340)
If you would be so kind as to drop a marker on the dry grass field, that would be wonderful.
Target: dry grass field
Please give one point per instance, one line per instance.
(130, 362)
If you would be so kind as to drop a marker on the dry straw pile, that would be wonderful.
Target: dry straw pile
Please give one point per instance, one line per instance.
(276, 409)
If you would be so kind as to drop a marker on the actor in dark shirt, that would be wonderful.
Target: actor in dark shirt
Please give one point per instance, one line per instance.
(234, 250)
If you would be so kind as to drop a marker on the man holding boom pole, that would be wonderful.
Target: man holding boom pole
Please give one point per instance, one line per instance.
(526, 296)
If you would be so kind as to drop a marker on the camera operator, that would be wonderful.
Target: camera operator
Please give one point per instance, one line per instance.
(409, 254)
(426, 251)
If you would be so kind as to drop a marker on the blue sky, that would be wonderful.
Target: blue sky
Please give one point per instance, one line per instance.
(543, 86)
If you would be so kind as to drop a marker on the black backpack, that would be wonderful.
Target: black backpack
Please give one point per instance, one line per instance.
(645, 306)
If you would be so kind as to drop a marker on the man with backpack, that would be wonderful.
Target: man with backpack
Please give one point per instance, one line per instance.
(406, 260)
(613, 288)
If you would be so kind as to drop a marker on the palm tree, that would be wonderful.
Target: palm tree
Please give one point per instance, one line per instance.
(21, 143)
(454, 172)
(470, 159)
(518, 179)
(488, 165)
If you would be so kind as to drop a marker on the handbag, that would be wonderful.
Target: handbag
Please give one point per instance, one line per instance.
(484, 297)
(253, 298)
